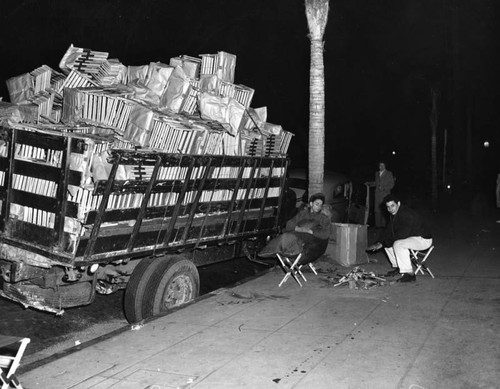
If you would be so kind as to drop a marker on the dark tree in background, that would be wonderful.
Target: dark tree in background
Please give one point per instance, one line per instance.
(434, 117)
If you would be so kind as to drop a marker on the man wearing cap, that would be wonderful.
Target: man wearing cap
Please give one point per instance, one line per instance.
(307, 232)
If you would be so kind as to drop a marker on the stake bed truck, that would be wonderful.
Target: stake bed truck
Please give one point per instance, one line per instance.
(145, 228)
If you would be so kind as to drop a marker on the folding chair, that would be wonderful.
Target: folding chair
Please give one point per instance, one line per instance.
(418, 257)
(292, 268)
(11, 352)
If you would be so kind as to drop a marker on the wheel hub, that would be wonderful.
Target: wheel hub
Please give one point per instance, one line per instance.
(178, 292)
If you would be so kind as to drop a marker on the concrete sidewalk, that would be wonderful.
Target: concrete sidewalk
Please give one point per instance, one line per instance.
(435, 333)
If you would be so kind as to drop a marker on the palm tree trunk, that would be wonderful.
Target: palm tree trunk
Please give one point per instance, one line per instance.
(317, 17)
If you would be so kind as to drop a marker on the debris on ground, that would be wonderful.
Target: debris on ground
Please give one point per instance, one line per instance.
(357, 278)
(137, 326)
(322, 266)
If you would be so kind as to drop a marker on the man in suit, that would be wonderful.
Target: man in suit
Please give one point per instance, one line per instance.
(383, 183)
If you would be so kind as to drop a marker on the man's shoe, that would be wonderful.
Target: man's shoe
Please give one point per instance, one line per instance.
(407, 277)
(393, 272)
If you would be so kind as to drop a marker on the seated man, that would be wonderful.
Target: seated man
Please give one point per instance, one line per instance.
(306, 232)
(404, 231)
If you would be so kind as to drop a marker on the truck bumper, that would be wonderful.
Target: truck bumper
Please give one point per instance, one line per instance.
(44, 288)
(48, 299)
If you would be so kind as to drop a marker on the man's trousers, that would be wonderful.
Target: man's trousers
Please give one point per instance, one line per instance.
(399, 253)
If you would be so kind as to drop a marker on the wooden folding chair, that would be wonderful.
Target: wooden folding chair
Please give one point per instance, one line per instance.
(292, 268)
(418, 257)
(11, 352)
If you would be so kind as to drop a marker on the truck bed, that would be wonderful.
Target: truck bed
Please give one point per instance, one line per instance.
(51, 213)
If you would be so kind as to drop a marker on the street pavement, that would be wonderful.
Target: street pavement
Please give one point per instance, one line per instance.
(433, 333)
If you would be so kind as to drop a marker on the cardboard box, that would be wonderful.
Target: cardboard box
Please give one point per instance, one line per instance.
(348, 243)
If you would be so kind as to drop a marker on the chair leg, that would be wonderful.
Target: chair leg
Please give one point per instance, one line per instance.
(8, 378)
(14, 381)
(3, 380)
(285, 266)
(426, 268)
(296, 278)
(419, 269)
(420, 264)
(290, 268)
(9, 381)
(283, 280)
(293, 269)
(297, 269)
(311, 266)
(416, 262)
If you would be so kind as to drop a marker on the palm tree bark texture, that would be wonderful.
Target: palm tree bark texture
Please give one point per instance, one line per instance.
(317, 17)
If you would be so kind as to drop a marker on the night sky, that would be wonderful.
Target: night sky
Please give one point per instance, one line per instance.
(381, 59)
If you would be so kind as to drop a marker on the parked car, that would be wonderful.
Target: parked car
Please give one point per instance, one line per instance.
(337, 189)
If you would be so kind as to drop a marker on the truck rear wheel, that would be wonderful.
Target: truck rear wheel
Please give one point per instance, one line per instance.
(159, 285)
(175, 282)
(134, 293)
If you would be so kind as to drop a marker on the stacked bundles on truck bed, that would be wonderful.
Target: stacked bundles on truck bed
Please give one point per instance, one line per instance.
(164, 107)
(177, 140)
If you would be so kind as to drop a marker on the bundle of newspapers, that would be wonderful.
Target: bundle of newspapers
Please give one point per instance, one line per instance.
(190, 105)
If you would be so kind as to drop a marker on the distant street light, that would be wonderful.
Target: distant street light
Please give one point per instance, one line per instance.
(393, 152)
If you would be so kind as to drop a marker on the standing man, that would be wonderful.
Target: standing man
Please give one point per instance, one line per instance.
(384, 182)
(405, 231)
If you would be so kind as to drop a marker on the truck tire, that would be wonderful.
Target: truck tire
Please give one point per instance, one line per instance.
(134, 293)
(173, 283)
(159, 284)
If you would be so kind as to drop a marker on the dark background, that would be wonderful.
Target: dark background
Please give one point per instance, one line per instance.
(381, 59)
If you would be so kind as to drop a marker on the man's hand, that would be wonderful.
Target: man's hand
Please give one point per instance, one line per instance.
(303, 229)
(375, 247)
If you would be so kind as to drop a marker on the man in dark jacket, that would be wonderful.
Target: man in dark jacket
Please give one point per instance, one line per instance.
(307, 232)
(405, 231)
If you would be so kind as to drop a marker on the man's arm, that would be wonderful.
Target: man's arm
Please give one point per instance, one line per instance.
(323, 228)
(386, 240)
(292, 223)
(375, 247)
